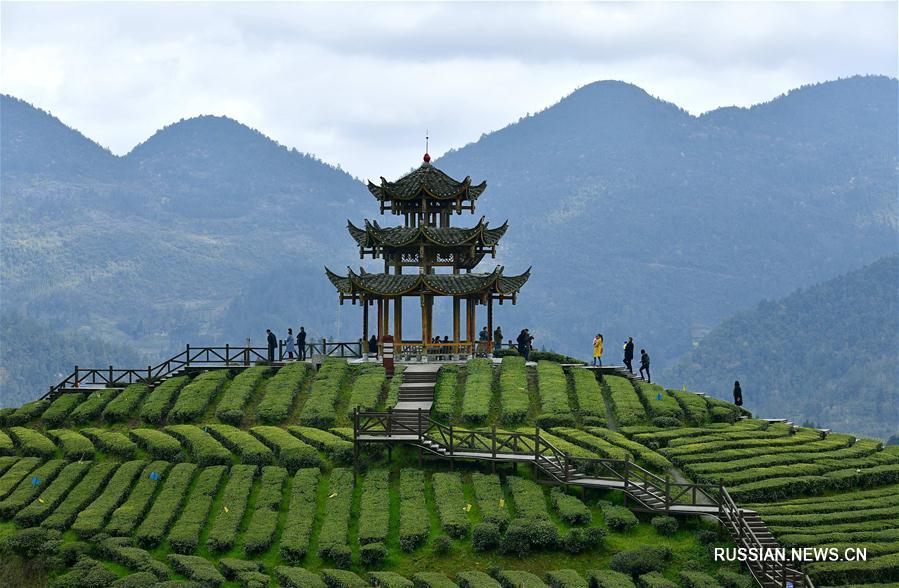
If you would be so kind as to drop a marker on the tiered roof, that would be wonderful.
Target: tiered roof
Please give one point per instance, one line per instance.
(440, 284)
(373, 235)
(427, 181)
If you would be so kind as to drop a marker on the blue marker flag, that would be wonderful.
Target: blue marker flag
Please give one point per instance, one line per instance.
(35, 481)
(659, 397)
(154, 476)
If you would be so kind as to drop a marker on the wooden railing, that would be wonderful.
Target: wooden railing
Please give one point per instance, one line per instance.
(443, 351)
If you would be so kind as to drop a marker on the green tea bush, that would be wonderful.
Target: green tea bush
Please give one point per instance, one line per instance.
(59, 410)
(319, 410)
(300, 515)
(592, 442)
(591, 406)
(476, 580)
(203, 446)
(513, 390)
(196, 568)
(625, 402)
(292, 453)
(7, 447)
(196, 397)
(232, 406)
(234, 504)
(788, 443)
(26, 491)
(692, 579)
(26, 413)
(570, 509)
(372, 553)
(93, 405)
(250, 449)
(618, 518)
(367, 387)
(450, 501)
(338, 450)
(665, 525)
(185, 533)
(491, 501)
(136, 580)
(31, 442)
(582, 539)
(76, 500)
(655, 580)
(485, 536)
(721, 414)
(264, 521)
(609, 579)
(658, 403)
(565, 579)
(342, 579)
(693, 406)
(388, 580)
(644, 455)
(156, 406)
(414, 522)
(166, 506)
(444, 408)
(127, 516)
(5, 413)
(519, 579)
(17, 470)
(111, 441)
(432, 580)
(134, 558)
(880, 570)
(298, 578)
(666, 422)
(335, 527)
(7, 461)
(374, 510)
(124, 404)
(478, 391)
(729, 579)
(157, 444)
(52, 495)
(526, 535)
(862, 448)
(92, 519)
(553, 357)
(393, 388)
(708, 454)
(777, 488)
(73, 444)
(641, 560)
(530, 502)
(233, 567)
(553, 386)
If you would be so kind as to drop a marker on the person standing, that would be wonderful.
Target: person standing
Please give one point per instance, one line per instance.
(289, 344)
(483, 339)
(523, 344)
(301, 344)
(272, 343)
(629, 354)
(644, 365)
(497, 340)
(738, 394)
(597, 349)
(373, 347)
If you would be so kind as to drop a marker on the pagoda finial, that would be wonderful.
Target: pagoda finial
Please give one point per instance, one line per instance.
(427, 156)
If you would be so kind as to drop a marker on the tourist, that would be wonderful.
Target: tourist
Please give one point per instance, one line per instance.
(289, 344)
(447, 349)
(373, 347)
(644, 365)
(523, 344)
(301, 344)
(629, 354)
(738, 394)
(497, 340)
(483, 339)
(597, 349)
(435, 348)
(272, 343)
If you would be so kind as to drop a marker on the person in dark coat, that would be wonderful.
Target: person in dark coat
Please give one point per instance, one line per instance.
(497, 340)
(373, 347)
(629, 354)
(644, 365)
(272, 343)
(301, 344)
(738, 394)
(523, 343)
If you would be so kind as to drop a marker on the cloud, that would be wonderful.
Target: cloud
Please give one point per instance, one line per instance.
(358, 83)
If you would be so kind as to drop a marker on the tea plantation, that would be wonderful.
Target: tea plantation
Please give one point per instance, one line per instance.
(244, 477)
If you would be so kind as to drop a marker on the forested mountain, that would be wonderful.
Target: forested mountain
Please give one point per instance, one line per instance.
(826, 354)
(638, 218)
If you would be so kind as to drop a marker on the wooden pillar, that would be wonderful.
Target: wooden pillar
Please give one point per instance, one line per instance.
(429, 302)
(490, 320)
(386, 316)
(364, 322)
(469, 321)
(456, 313)
(424, 323)
(380, 320)
(397, 324)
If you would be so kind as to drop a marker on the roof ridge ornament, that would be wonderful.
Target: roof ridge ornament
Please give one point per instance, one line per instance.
(427, 157)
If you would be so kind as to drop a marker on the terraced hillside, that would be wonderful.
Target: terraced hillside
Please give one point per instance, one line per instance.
(244, 477)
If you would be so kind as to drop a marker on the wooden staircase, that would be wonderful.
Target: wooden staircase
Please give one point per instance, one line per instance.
(415, 399)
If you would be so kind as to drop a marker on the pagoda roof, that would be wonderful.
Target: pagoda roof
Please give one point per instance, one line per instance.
(375, 235)
(440, 284)
(426, 180)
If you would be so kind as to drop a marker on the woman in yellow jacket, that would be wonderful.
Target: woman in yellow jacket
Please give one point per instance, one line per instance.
(597, 349)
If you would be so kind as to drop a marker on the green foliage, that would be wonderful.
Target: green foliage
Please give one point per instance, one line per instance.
(157, 404)
(414, 523)
(367, 387)
(519, 579)
(570, 509)
(478, 391)
(476, 580)
(26, 491)
(665, 525)
(59, 410)
(644, 455)
(553, 356)
(203, 447)
(618, 518)
(121, 407)
(450, 502)
(444, 408)
(591, 442)
(530, 502)
(491, 502)
(692, 579)
(432, 580)
(249, 448)
(157, 443)
(342, 579)
(335, 527)
(656, 580)
(86, 573)
(553, 385)
(776, 488)
(300, 515)
(111, 441)
(80, 496)
(694, 407)
(372, 553)
(73, 444)
(185, 534)
(298, 578)
(93, 405)
(730, 579)
(393, 388)
(609, 579)
(166, 506)
(32, 443)
(513, 390)
(232, 406)
(625, 402)
(565, 579)
(92, 519)
(591, 407)
(134, 558)
(374, 511)
(881, 569)
(641, 560)
(7, 447)
(26, 413)
(861, 448)
(193, 400)
(338, 450)
(485, 536)
(261, 531)
(582, 539)
(657, 402)
(233, 567)
(319, 410)
(292, 453)
(51, 496)
(125, 518)
(18, 470)
(388, 580)
(234, 505)
(196, 568)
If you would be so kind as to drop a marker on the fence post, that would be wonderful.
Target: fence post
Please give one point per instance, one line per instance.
(77, 385)
(355, 442)
(187, 353)
(566, 468)
(419, 426)
(451, 440)
(227, 354)
(667, 494)
(390, 421)
(493, 442)
(280, 349)
(110, 376)
(721, 499)
(246, 354)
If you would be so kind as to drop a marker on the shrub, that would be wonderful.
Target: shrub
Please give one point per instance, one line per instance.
(92, 519)
(185, 533)
(196, 568)
(31, 442)
(280, 391)
(431, 580)
(579, 540)
(367, 387)
(126, 517)
(693, 406)
(86, 573)
(388, 580)
(476, 580)
(881, 569)
(591, 406)
(553, 386)
(698, 580)
(393, 388)
(261, 531)
(234, 505)
(292, 453)
(125, 403)
(609, 579)
(445, 393)
(530, 502)
(193, 400)
(137, 580)
(485, 536)
(720, 414)
(298, 578)
(730, 579)
(338, 450)
(414, 523)
(157, 404)
(27, 412)
(93, 405)
(646, 456)
(554, 357)
(134, 558)
(513, 390)
(618, 518)
(166, 506)
(17, 470)
(655, 580)
(233, 567)
(5, 413)
(372, 553)
(59, 410)
(565, 579)
(491, 502)
(80, 496)
(374, 511)
(641, 560)
(73, 444)
(591, 442)
(665, 525)
(777, 488)
(707, 536)
(249, 448)
(7, 447)
(111, 441)
(33, 543)
(203, 446)
(335, 527)
(232, 406)
(519, 579)
(157, 443)
(319, 410)
(625, 402)
(450, 502)
(478, 390)
(526, 535)
(658, 403)
(300, 515)
(571, 510)
(442, 545)
(342, 579)
(665, 422)
(27, 490)
(52, 496)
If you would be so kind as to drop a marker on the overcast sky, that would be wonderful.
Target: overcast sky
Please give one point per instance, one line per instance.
(358, 84)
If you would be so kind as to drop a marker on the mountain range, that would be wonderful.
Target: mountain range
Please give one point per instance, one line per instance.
(638, 218)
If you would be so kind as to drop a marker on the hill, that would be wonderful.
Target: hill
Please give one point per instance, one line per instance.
(825, 354)
(242, 476)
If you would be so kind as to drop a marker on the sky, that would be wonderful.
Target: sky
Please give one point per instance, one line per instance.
(358, 84)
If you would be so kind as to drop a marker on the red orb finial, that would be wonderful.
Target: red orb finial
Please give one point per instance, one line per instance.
(427, 158)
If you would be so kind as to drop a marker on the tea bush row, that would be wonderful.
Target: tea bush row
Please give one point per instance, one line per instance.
(111, 441)
(861, 448)
(513, 390)
(279, 393)
(530, 502)
(261, 531)
(232, 406)
(59, 410)
(84, 493)
(338, 450)
(840, 480)
(320, 408)
(290, 451)
(625, 403)
(591, 407)
(450, 501)
(695, 410)
(300, 515)
(831, 443)
(478, 391)
(491, 500)
(570, 509)
(125, 404)
(73, 444)
(414, 521)
(643, 454)
(657, 402)
(367, 387)
(166, 506)
(185, 533)
(126, 517)
(553, 386)
(593, 443)
(92, 406)
(234, 504)
(196, 568)
(250, 449)
(332, 540)
(52, 496)
(27, 490)
(393, 388)
(374, 511)
(195, 398)
(204, 449)
(31, 443)
(158, 444)
(444, 408)
(156, 406)
(92, 519)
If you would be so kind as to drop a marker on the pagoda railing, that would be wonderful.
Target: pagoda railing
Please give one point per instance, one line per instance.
(443, 351)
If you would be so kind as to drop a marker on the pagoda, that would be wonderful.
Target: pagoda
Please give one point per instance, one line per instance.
(444, 258)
